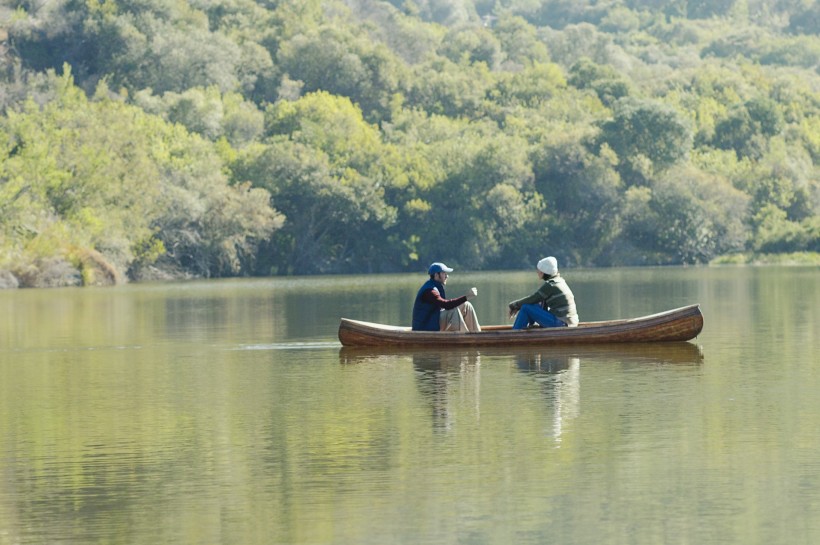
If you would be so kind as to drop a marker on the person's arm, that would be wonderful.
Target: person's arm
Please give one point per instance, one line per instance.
(532, 299)
(433, 297)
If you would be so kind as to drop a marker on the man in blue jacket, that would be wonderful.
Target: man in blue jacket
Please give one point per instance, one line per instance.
(433, 312)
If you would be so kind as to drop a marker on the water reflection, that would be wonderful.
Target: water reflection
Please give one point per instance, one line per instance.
(558, 372)
(442, 373)
(126, 417)
(535, 359)
(559, 376)
(435, 373)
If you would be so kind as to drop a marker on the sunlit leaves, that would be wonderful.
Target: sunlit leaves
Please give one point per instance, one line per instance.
(84, 165)
(103, 185)
(330, 123)
(327, 171)
(471, 44)
(209, 228)
(533, 87)
(519, 42)
(338, 62)
(324, 214)
(208, 112)
(468, 129)
(777, 234)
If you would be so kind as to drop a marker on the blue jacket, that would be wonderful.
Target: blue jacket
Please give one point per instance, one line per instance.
(426, 315)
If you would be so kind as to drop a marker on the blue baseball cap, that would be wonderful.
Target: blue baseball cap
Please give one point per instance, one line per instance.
(438, 267)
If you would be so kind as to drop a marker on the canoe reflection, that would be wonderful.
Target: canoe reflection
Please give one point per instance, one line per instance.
(533, 358)
(439, 373)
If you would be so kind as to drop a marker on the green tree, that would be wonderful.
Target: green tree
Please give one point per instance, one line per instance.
(334, 60)
(471, 44)
(582, 196)
(776, 234)
(77, 186)
(208, 112)
(208, 227)
(103, 191)
(442, 87)
(165, 44)
(519, 42)
(561, 13)
(748, 127)
(806, 20)
(684, 216)
(332, 124)
(447, 12)
(532, 87)
(704, 9)
(331, 218)
(603, 80)
(645, 131)
(557, 120)
(475, 166)
(327, 171)
(516, 222)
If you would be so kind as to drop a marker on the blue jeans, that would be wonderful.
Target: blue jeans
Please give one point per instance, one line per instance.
(535, 314)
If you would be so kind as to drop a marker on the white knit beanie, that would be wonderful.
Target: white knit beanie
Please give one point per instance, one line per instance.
(548, 266)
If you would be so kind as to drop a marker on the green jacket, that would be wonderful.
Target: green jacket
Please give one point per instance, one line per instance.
(555, 296)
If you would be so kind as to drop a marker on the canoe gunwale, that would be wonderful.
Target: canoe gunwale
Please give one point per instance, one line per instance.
(680, 324)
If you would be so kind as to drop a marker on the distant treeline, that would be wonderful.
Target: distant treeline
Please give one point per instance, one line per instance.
(144, 139)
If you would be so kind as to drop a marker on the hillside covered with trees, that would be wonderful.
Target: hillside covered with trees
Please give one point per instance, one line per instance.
(145, 139)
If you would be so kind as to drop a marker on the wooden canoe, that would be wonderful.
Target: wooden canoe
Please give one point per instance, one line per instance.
(680, 324)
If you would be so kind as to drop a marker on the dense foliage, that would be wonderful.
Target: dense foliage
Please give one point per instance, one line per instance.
(169, 138)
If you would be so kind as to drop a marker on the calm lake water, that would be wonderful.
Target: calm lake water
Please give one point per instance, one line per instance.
(226, 412)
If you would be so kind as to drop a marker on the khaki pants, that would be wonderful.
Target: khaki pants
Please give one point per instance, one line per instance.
(461, 319)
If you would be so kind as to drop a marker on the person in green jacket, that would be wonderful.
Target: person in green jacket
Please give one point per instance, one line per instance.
(553, 305)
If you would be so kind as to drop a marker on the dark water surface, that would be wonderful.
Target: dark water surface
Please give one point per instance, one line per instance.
(226, 412)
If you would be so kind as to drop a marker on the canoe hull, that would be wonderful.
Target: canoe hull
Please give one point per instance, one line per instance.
(680, 324)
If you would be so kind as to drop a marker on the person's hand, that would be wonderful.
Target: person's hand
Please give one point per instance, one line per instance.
(472, 292)
(511, 312)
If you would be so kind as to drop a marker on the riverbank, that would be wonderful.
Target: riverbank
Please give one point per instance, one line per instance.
(796, 258)
(60, 273)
